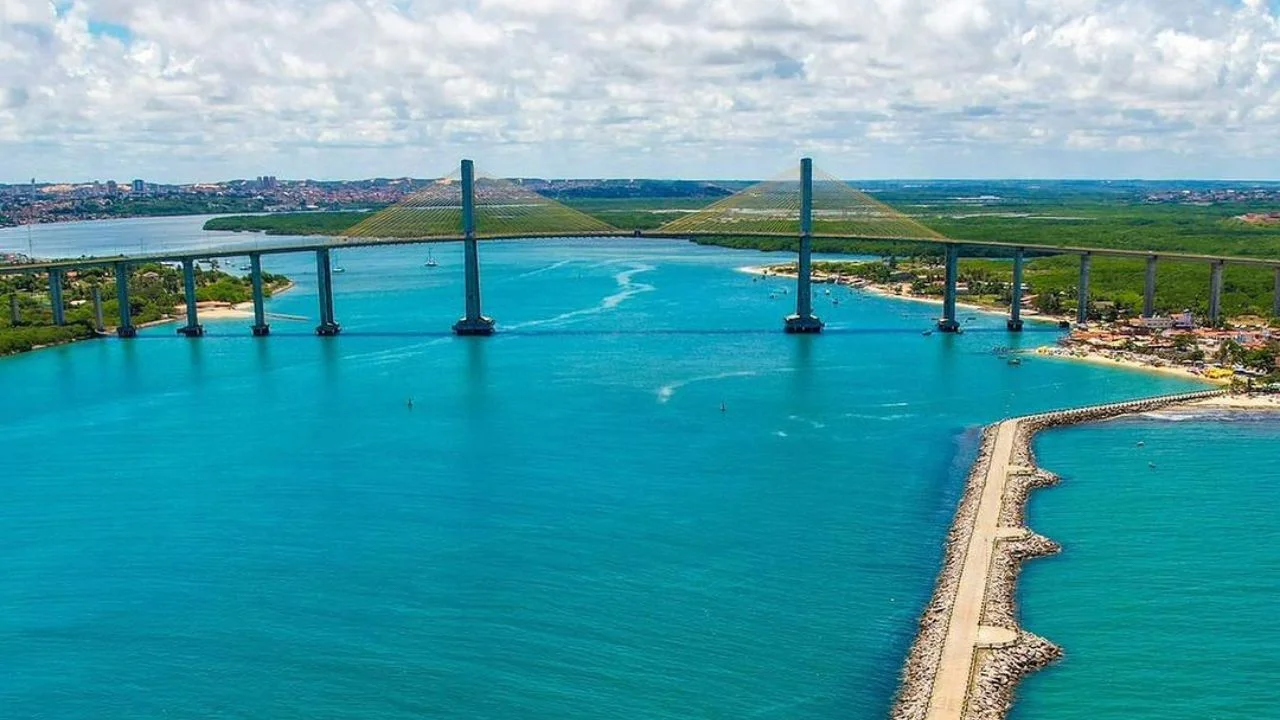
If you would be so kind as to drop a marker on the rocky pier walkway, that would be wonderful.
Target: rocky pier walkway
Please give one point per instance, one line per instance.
(970, 652)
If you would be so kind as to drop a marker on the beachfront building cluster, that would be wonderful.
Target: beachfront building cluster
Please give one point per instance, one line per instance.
(1248, 350)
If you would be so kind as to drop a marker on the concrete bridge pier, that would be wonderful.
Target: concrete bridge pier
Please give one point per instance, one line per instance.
(55, 297)
(1275, 301)
(1215, 293)
(15, 311)
(126, 328)
(99, 322)
(948, 322)
(474, 322)
(324, 278)
(804, 321)
(260, 326)
(1149, 289)
(1082, 292)
(1015, 296)
(193, 327)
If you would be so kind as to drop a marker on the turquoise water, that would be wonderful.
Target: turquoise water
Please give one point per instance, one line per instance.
(1164, 597)
(565, 524)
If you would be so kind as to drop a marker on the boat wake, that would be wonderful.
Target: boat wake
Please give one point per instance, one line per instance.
(541, 270)
(627, 289)
(666, 391)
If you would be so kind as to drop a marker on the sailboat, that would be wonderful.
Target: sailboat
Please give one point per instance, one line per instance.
(336, 267)
(431, 261)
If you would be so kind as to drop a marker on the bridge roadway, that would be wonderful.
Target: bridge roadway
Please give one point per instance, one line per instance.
(282, 247)
(475, 323)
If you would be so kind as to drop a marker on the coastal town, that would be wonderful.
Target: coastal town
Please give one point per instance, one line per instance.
(1243, 350)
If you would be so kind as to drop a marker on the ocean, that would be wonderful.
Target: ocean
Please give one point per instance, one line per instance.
(1164, 595)
(565, 524)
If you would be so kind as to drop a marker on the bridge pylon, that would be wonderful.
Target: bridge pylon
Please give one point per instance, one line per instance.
(804, 321)
(474, 322)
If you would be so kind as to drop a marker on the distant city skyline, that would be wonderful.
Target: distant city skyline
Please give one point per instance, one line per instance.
(176, 92)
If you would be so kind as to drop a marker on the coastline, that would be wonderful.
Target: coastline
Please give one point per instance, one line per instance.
(1049, 351)
(1097, 358)
(207, 311)
(970, 652)
(884, 291)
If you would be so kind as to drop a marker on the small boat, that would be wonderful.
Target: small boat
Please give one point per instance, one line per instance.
(1141, 443)
(246, 267)
(927, 333)
(1015, 361)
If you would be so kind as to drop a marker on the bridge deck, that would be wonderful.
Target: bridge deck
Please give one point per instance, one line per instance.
(311, 245)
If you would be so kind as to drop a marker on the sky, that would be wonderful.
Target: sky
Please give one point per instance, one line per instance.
(202, 90)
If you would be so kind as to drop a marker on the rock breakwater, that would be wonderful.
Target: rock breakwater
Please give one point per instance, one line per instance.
(970, 652)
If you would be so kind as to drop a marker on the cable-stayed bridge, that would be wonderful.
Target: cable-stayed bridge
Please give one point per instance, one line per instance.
(801, 204)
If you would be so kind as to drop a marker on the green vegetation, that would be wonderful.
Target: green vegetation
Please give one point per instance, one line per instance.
(154, 291)
(1115, 284)
(308, 223)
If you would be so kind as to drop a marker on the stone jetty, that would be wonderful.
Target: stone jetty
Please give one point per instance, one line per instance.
(970, 652)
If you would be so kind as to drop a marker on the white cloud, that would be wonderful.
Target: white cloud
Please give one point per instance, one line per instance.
(171, 89)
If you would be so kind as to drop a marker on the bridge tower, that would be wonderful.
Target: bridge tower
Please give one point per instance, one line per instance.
(473, 323)
(804, 320)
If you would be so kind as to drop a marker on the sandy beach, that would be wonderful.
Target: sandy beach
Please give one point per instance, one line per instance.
(1049, 351)
(1241, 402)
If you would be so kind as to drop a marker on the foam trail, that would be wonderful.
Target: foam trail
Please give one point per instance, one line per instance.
(539, 271)
(666, 391)
(627, 289)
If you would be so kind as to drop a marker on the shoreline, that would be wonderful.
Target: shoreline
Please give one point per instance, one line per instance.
(884, 291)
(1097, 358)
(970, 651)
(219, 311)
(1048, 351)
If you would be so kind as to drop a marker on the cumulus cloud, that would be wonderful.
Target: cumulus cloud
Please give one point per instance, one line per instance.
(179, 90)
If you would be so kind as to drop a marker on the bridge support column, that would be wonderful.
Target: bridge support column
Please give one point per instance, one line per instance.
(324, 279)
(193, 328)
(55, 297)
(1275, 301)
(804, 320)
(474, 322)
(260, 326)
(15, 311)
(1015, 295)
(126, 328)
(1082, 292)
(948, 322)
(1149, 289)
(99, 323)
(1215, 293)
